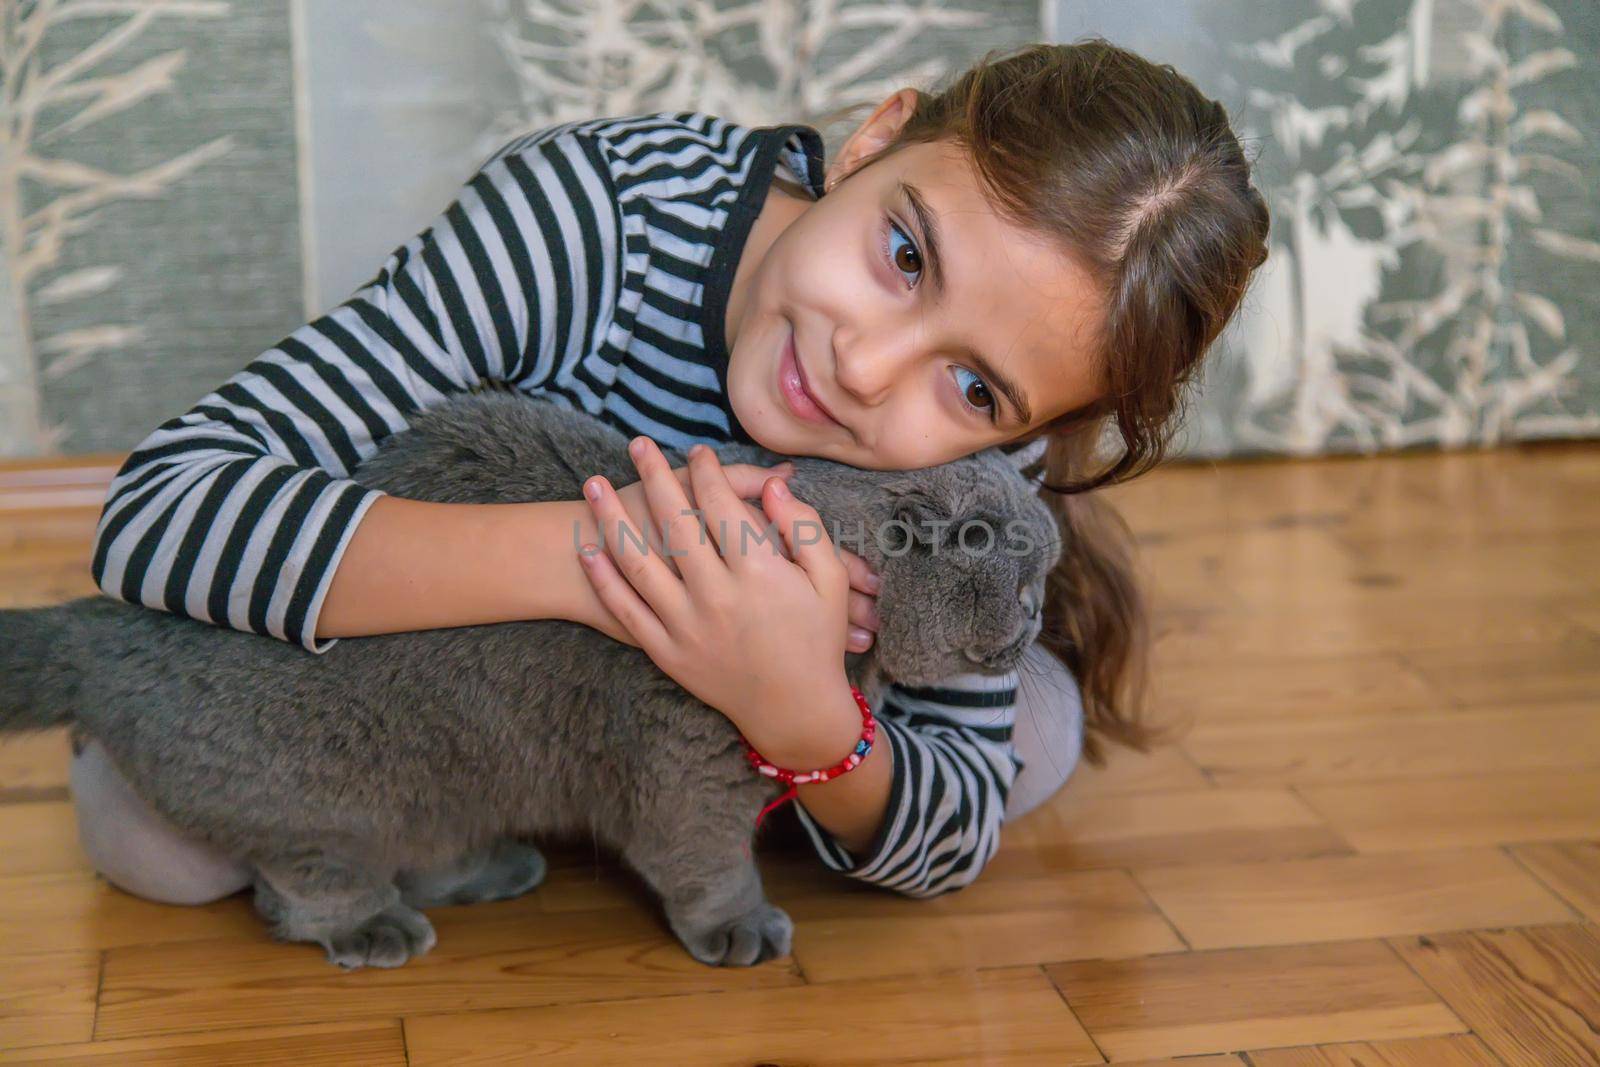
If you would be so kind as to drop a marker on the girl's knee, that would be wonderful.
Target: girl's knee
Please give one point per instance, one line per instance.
(137, 850)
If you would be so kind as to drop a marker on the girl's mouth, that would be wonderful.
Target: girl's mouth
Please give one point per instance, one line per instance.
(792, 384)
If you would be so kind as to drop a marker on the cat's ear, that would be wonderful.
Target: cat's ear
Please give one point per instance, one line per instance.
(920, 516)
(920, 506)
(1026, 457)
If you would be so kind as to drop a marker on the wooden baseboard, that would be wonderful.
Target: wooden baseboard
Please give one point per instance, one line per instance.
(55, 482)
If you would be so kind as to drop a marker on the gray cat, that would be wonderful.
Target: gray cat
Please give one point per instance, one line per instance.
(401, 772)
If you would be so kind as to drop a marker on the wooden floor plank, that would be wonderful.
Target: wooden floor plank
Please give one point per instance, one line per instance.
(1193, 491)
(1285, 567)
(1565, 670)
(47, 998)
(1544, 563)
(1374, 624)
(1585, 611)
(1127, 772)
(1176, 826)
(1219, 1001)
(44, 574)
(1572, 869)
(1192, 574)
(1461, 1050)
(1005, 1016)
(48, 912)
(1480, 809)
(1222, 905)
(90, 468)
(1221, 1060)
(34, 764)
(499, 955)
(1532, 995)
(992, 923)
(1276, 688)
(41, 839)
(378, 1044)
(1307, 751)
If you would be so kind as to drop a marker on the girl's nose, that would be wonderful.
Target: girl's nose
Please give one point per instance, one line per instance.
(868, 370)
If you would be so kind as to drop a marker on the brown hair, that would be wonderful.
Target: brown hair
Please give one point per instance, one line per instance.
(1140, 178)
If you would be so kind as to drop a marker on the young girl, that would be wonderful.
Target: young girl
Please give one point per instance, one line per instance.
(1046, 248)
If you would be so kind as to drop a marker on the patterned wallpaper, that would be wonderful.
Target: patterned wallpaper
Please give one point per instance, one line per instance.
(1435, 273)
(182, 182)
(149, 237)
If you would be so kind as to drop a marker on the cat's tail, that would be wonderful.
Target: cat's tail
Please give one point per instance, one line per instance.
(39, 675)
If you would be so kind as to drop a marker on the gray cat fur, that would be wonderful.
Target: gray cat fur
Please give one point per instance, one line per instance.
(399, 772)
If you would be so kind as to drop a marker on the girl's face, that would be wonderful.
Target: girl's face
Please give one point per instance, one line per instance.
(862, 331)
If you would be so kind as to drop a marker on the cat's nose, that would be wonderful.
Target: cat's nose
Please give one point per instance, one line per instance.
(1030, 600)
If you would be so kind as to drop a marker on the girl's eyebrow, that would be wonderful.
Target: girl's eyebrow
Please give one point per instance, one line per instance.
(1018, 400)
(928, 223)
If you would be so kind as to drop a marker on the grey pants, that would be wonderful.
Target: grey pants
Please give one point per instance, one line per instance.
(139, 852)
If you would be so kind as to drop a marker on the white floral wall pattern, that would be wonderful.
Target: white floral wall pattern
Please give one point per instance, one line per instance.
(756, 61)
(46, 198)
(96, 185)
(1436, 260)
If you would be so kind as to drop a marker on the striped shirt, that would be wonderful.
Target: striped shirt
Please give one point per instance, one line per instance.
(588, 264)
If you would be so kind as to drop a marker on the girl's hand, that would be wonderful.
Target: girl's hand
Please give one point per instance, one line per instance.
(751, 630)
(747, 481)
(863, 610)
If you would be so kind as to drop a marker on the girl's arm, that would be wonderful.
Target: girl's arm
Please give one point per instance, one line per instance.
(851, 809)
(415, 565)
(241, 512)
(954, 765)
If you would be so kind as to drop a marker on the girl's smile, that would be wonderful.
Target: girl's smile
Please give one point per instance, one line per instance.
(796, 390)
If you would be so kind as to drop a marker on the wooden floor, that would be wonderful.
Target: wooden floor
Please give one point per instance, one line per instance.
(1376, 842)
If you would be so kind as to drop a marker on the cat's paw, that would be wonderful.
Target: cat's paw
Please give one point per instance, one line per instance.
(388, 939)
(760, 935)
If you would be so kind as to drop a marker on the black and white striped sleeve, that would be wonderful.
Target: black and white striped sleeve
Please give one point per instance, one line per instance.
(238, 511)
(953, 768)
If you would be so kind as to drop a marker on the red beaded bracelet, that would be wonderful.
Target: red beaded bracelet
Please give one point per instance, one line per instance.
(869, 730)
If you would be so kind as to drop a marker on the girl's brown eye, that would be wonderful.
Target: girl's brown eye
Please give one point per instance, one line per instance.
(905, 252)
(975, 391)
(893, 253)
